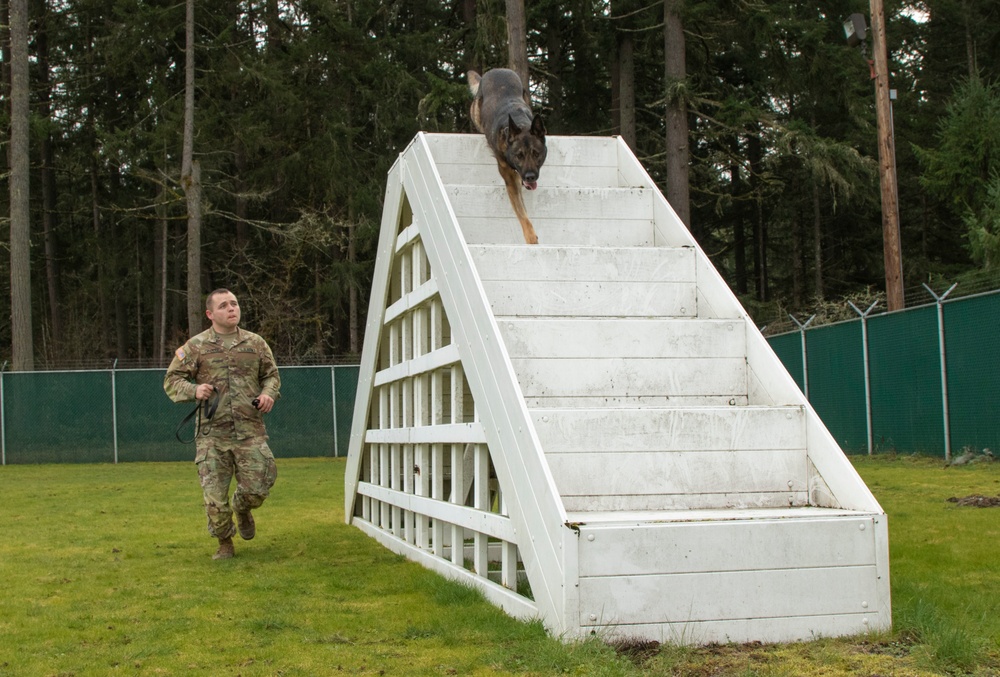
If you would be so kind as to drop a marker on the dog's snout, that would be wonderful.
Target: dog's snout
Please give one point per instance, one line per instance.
(530, 176)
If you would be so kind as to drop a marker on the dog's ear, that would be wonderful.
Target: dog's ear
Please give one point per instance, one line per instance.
(537, 126)
(512, 128)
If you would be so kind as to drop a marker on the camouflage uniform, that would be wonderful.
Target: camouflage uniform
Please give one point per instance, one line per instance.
(234, 441)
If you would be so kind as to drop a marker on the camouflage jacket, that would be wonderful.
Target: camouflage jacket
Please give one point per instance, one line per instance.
(239, 374)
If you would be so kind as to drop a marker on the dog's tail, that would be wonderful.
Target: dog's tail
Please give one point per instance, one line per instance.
(474, 79)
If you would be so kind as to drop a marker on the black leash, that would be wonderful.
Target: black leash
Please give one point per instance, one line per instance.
(209, 406)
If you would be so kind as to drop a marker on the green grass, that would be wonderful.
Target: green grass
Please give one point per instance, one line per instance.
(107, 570)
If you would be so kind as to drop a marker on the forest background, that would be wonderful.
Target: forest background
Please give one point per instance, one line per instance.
(159, 148)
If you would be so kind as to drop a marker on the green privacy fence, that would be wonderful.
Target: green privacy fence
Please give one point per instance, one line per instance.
(110, 416)
(933, 377)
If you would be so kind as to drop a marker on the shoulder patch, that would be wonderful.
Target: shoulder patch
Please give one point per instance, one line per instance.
(180, 353)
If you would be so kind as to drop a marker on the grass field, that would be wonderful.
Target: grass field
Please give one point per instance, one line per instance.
(107, 570)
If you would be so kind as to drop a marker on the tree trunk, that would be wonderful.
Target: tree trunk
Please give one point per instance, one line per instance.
(798, 265)
(160, 244)
(554, 49)
(48, 181)
(22, 343)
(970, 41)
(675, 70)
(739, 226)
(469, 58)
(626, 90)
(517, 43)
(191, 182)
(755, 155)
(817, 243)
(354, 314)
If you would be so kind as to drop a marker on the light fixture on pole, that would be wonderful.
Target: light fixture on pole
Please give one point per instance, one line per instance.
(856, 31)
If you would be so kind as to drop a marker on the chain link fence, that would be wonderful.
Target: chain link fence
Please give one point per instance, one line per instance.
(120, 415)
(922, 380)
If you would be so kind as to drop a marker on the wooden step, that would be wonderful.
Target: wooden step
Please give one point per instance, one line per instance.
(600, 362)
(621, 217)
(683, 458)
(699, 577)
(587, 281)
(467, 160)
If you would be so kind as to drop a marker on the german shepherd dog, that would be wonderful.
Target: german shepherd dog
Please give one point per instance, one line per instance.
(516, 137)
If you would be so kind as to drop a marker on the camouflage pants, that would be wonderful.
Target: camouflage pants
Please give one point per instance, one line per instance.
(251, 461)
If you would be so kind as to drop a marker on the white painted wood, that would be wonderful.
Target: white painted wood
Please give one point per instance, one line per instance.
(411, 300)
(473, 519)
(675, 474)
(585, 204)
(639, 518)
(632, 377)
(455, 433)
(636, 337)
(591, 299)
(502, 227)
(695, 429)
(771, 630)
(551, 175)
(729, 595)
(706, 547)
(721, 501)
(633, 402)
(432, 361)
(575, 264)
(620, 391)
(563, 151)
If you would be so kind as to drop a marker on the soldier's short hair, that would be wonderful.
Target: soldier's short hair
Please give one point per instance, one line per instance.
(208, 299)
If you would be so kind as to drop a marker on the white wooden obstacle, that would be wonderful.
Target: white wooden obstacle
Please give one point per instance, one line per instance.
(592, 430)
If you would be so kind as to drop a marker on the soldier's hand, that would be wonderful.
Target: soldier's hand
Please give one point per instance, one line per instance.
(204, 391)
(266, 403)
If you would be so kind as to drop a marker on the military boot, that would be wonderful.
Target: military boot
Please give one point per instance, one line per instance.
(246, 526)
(225, 550)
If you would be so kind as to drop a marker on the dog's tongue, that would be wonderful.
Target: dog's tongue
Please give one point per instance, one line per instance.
(530, 185)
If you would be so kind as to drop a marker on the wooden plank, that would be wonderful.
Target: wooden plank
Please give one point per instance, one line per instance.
(640, 402)
(563, 176)
(630, 519)
(424, 364)
(680, 472)
(454, 433)
(479, 521)
(583, 264)
(805, 627)
(411, 300)
(592, 299)
(734, 595)
(617, 377)
(620, 337)
(695, 429)
(502, 227)
(563, 151)
(718, 501)
(588, 203)
(705, 547)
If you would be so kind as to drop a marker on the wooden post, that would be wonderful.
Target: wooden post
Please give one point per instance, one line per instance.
(887, 164)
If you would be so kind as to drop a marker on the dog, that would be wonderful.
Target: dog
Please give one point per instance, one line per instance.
(513, 133)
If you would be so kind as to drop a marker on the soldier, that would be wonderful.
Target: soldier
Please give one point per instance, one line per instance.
(236, 366)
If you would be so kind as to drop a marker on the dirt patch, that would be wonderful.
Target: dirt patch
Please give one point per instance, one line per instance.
(639, 651)
(977, 501)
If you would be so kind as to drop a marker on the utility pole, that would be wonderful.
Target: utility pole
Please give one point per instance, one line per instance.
(887, 164)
